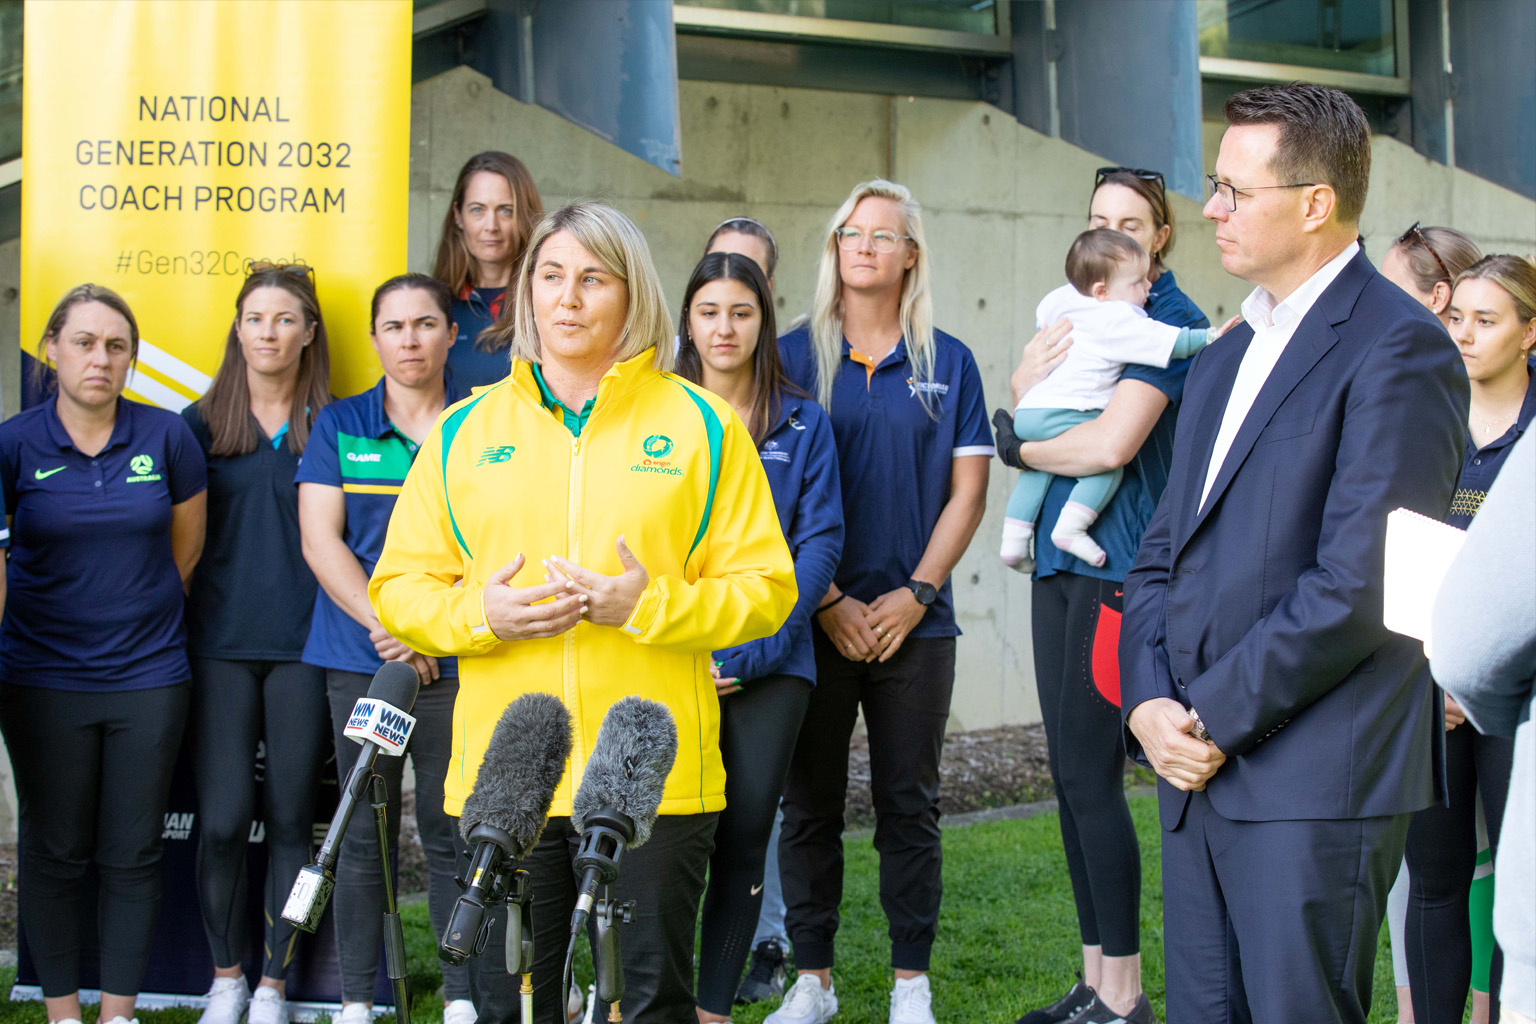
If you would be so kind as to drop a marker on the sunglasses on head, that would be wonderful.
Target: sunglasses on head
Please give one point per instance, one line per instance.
(1415, 234)
(1156, 177)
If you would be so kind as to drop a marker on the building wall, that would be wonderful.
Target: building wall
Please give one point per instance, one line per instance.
(1003, 203)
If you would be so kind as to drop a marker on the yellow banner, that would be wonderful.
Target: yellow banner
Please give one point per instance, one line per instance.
(167, 144)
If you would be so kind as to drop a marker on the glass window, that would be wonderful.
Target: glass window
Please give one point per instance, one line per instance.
(1337, 35)
(10, 80)
(976, 16)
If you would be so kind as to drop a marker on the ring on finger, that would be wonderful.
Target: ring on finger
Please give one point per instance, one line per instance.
(879, 631)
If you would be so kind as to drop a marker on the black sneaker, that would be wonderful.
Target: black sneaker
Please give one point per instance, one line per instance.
(765, 977)
(1097, 1013)
(1078, 998)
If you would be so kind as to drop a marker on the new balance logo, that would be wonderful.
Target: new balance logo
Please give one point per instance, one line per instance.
(496, 453)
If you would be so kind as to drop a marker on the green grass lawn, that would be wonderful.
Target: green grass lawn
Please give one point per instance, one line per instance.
(1007, 937)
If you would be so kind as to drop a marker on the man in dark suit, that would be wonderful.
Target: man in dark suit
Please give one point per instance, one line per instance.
(1293, 735)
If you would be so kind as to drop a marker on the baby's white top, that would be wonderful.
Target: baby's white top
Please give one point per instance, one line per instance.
(1105, 336)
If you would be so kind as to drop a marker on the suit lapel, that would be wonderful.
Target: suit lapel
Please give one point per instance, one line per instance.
(1314, 337)
(1197, 441)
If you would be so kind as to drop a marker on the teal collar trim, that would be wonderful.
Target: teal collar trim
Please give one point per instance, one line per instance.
(574, 422)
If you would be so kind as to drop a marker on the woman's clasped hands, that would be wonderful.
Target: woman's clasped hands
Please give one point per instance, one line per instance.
(569, 593)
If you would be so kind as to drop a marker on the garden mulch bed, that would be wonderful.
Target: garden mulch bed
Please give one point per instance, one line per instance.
(983, 769)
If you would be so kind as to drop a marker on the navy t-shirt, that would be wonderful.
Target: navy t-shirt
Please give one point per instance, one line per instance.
(94, 599)
(1120, 526)
(1480, 466)
(895, 460)
(252, 592)
(355, 447)
(470, 366)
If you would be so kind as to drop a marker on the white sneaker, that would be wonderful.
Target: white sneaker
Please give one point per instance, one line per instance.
(460, 1011)
(575, 1004)
(66, 1020)
(268, 1006)
(362, 1013)
(226, 1002)
(806, 1002)
(120, 1019)
(912, 1001)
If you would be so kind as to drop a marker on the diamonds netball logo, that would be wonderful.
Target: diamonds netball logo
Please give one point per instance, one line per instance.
(657, 446)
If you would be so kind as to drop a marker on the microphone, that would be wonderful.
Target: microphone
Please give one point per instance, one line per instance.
(505, 814)
(615, 806)
(380, 721)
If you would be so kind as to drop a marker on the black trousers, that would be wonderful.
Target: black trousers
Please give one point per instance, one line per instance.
(758, 726)
(1442, 855)
(236, 707)
(906, 706)
(93, 771)
(1076, 623)
(1274, 922)
(358, 902)
(665, 878)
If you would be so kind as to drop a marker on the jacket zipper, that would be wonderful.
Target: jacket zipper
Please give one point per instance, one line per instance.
(573, 553)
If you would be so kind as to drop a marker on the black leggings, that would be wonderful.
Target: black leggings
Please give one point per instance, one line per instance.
(1442, 855)
(93, 771)
(1076, 635)
(758, 726)
(359, 900)
(238, 707)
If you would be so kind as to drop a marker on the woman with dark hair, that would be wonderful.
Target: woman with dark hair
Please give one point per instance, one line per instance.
(247, 620)
(1492, 319)
(748, 237)
(728, 345)
(1076, 606)
(106, 512)
(494, 208)
(356, 462)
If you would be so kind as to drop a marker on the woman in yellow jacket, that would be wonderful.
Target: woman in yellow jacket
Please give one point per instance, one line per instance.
(611, 525)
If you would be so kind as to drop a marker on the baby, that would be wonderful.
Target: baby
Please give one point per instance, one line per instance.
(1108, 275)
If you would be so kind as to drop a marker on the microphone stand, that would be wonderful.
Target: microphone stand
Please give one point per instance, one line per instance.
(394, 934)
(519, 945)
(607, 960)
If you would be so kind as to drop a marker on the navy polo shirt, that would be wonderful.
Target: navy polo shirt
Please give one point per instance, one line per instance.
(1120, 526)
(1480, 466)
(470, 366)
(895, 459)
(252, 592)
(355, 447)
(94, 598)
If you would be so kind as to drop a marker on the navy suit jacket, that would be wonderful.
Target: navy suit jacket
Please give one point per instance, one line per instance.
(1264, 613)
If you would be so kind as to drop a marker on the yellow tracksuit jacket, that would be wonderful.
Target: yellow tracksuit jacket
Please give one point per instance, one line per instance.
(660, 461)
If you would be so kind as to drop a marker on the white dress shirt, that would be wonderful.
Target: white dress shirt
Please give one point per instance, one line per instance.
(1273, 325)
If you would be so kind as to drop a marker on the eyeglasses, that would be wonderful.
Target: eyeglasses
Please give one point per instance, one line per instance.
(1228, 191)
(880, 241)
(264, 266)
(1154, 177)
(1414, 233)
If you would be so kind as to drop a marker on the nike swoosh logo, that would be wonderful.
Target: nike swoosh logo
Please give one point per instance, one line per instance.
(40, 475)
(756, 889)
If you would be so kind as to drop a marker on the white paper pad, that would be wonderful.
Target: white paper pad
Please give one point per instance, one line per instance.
(1419, 551)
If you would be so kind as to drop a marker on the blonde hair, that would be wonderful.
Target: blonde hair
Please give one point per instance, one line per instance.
(1515, 274)
(620, 247)
(826, 319)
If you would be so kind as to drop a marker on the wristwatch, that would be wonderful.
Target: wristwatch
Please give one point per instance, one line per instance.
(1200, 732)
(926, 593)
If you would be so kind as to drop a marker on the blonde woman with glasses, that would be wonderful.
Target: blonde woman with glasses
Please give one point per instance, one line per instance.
(593, 526)
(910, 425)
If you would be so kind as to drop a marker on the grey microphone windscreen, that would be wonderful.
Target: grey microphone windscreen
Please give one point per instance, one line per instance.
(396, 684)
(630, 761)
(520, 770)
